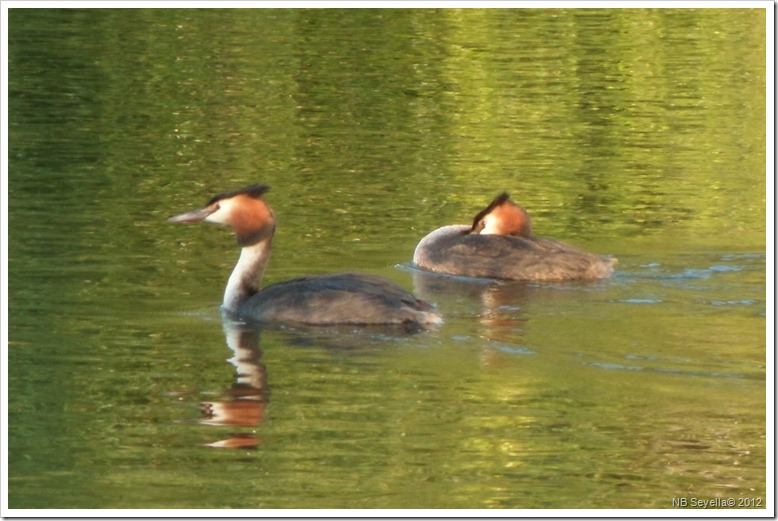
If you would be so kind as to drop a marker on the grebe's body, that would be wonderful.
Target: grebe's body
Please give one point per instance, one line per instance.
(347, 298)
(343, 298)
(500, 245)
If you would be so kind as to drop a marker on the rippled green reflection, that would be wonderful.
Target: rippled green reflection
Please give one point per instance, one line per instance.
(638, 133)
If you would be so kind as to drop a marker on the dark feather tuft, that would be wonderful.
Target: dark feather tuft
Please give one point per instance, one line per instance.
(255, 191)
(500, 199)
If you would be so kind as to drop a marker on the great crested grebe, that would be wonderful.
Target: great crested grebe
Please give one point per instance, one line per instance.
(344, 298)
(500, 245)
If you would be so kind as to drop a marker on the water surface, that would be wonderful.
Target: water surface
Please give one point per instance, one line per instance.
(638, 133)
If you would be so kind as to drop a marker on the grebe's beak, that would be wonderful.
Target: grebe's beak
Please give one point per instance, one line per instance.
(195, 216)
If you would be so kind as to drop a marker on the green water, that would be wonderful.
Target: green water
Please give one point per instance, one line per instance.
(638, 133)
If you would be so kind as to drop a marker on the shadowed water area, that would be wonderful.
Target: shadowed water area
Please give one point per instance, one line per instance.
(637, 133)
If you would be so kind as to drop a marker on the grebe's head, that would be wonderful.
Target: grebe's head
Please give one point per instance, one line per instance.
(245, 210)
(502, 217)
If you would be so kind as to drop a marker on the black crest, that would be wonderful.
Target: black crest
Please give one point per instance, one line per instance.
(500, 199)
(255, 191)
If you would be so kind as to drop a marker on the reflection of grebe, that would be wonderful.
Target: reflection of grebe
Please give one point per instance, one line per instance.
(347, 298)
(249, 393)
(500, 245)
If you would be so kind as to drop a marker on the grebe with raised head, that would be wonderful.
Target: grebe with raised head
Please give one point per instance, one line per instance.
(344, 298)
(500, 245)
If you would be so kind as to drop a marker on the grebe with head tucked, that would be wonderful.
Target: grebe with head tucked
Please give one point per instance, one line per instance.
(345, 298)
(500, 245)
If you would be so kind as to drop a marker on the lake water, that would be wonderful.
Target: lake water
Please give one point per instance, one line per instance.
(638, 133)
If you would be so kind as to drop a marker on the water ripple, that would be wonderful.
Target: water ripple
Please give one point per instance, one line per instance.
(608, 366)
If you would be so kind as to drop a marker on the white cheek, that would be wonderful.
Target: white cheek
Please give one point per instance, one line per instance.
(222, 215)
(490, 227)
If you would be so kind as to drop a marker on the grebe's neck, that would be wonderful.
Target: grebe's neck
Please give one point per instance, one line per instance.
(247, 275)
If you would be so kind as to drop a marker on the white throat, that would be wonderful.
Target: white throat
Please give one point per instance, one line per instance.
(245, 278)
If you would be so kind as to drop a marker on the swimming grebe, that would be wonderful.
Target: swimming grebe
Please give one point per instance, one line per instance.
(346, 298)
(500, 245)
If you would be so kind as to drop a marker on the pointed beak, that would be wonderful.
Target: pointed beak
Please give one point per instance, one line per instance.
(195, 216)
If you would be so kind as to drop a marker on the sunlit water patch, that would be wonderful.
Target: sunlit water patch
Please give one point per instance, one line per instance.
(625, 132)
